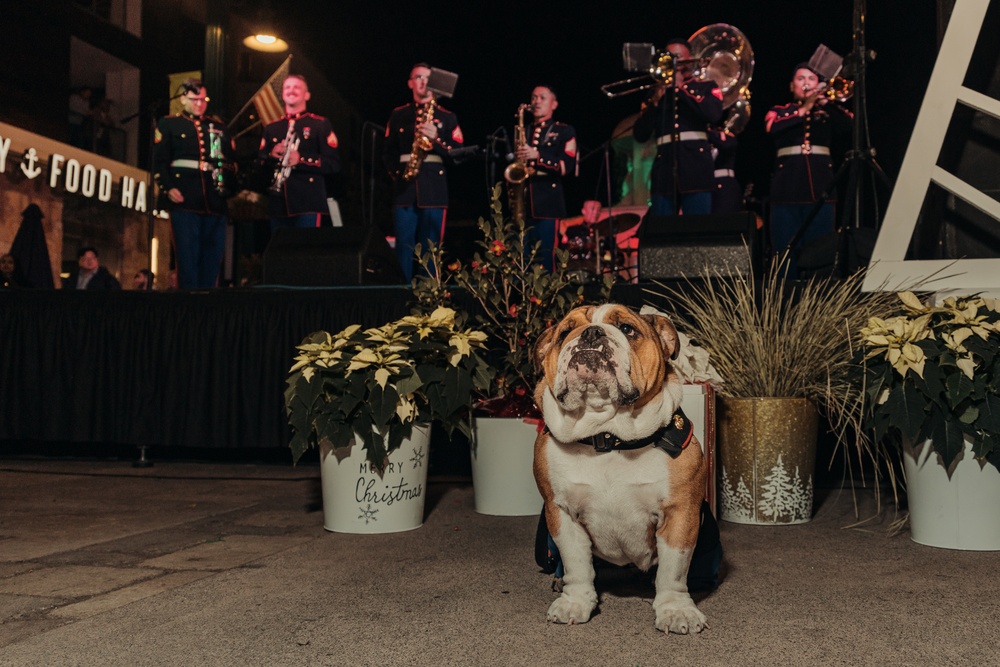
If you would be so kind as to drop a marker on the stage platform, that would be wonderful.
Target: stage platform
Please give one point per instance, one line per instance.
(185, 370)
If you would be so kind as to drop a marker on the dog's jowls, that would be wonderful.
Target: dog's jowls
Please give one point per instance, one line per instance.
(606, 369)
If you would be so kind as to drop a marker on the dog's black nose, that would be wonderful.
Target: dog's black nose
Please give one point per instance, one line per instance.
(592, 334)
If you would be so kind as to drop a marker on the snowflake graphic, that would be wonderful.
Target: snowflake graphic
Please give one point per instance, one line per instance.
(418, 457)
(368, 514)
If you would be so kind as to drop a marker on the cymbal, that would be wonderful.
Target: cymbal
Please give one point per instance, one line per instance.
(616, 224)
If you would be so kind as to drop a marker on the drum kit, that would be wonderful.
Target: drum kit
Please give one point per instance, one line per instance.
(605, 246)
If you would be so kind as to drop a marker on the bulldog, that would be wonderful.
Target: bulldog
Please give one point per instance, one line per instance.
(618, 467)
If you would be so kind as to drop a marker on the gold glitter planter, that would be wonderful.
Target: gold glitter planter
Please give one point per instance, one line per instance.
(767, 456)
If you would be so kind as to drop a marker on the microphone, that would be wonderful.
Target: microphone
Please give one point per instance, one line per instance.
(500, 135)
(464, 153)
(509, 155)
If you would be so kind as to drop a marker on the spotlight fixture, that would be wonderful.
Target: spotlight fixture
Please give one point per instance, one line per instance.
(266, 43)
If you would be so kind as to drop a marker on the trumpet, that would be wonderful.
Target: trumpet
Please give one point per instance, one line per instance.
(284, 168)
(839, 89)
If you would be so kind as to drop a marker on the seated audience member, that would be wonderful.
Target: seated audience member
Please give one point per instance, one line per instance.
(143, 280)
(9, 275)
(90, 275)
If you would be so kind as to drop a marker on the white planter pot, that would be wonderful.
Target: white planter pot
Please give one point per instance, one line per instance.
(956, 512)
(503, 483)
(356, 499)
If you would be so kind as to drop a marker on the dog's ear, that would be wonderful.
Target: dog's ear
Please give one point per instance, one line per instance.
(664, 328)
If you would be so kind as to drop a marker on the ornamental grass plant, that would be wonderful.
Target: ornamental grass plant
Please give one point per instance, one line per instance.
(376, 384)
(787, 339)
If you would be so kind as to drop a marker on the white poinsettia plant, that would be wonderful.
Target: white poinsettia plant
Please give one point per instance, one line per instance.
(376, 384)
(933, 372)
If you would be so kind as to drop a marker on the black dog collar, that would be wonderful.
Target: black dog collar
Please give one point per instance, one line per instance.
(672, 438)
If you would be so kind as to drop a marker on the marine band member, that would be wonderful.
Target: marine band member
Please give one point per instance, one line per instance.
(550, 151)
(420, 205)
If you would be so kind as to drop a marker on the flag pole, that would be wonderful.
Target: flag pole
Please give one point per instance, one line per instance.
(245, 130)
(282, 67)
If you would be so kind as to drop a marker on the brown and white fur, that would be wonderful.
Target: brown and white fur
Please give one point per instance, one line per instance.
(607, 369)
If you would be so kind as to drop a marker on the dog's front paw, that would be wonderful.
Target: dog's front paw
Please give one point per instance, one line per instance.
(570, 610)
(680, 616)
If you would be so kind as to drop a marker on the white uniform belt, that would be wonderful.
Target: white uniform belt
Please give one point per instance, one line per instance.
(427, 158)
(685, 136)
(192, 164)
(803, 150)
(724, 173)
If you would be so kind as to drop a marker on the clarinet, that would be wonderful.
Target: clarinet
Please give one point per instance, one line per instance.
(217, 160)
(284, 169)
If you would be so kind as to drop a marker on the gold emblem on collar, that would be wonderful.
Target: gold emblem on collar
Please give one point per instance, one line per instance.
(678, 422)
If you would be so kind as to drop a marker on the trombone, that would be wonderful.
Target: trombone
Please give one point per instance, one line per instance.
(661, 70)
(723, 53)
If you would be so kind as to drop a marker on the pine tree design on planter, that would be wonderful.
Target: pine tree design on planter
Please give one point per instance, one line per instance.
(784, 497)
(736, 503)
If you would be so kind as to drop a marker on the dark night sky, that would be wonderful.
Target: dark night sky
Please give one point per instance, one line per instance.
(501, 49)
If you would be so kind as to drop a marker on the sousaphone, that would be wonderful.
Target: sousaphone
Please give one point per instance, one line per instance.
(725, 57)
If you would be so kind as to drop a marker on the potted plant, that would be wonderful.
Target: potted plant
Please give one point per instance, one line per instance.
(361, 394)
(783, 350)
(514, 299)
(932, 380)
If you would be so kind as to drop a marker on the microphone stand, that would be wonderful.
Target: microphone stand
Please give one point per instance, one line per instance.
(612, 238)
(369, 215)
(498, 135)
(152, 111)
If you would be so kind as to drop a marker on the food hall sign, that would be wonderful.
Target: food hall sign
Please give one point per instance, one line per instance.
(71, 170)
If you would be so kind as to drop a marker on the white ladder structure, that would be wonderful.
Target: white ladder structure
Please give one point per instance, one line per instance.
(889, 269)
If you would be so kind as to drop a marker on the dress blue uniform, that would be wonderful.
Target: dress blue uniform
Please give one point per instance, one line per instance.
(183, 159)
(301, 199)
(727, 197)
(546, 203)
(803, 171)
(420, 205)
(679, 121)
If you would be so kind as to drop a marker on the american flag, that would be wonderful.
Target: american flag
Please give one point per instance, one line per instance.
(267, 101)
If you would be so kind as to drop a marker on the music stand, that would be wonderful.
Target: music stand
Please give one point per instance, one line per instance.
(442, 82)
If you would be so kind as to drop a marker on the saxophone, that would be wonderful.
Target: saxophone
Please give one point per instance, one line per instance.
(284, 169)
(517, 172)
(421, 144)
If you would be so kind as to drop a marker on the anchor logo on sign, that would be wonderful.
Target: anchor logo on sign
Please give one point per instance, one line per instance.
(29, 164)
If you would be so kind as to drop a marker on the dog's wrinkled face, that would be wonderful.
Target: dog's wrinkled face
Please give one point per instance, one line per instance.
(604, 356)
